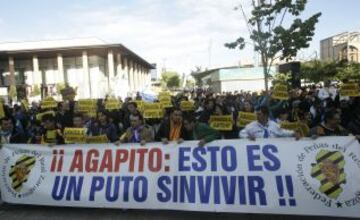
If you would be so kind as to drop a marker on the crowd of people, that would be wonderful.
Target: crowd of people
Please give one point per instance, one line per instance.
(322, 109)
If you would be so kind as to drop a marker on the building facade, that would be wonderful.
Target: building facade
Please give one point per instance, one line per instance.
(344, 46)
(94, 68)
(231, 79)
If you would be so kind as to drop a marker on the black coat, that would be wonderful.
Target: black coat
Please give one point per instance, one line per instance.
(164, 132)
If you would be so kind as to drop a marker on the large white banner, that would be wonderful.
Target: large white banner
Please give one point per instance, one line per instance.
(280, 176)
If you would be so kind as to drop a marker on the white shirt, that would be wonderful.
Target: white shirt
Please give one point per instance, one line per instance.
(257, 130)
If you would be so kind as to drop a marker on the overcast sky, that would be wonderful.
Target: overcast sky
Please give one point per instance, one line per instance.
(180, 34)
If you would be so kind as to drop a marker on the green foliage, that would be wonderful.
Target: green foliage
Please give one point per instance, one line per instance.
(317, 71)
(170, 79)
(269, 35)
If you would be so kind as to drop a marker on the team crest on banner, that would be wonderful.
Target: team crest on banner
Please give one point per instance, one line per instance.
(329, 170)
(21, 170)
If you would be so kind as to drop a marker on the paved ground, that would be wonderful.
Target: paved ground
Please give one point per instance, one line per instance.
(10, 212)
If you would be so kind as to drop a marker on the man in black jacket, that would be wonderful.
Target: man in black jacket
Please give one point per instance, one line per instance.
(9, 133)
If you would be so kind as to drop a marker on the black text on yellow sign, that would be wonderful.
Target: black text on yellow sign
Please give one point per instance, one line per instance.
(221, 123)
(245, 118)
(153, 113)
(74, 135)
(187, 106)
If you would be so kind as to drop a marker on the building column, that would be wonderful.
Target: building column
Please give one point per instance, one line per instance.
(86, 71)
(126, 71)
(60, 64)
(143, 77)
(136, 82)
(12, 71)
(137, 79)
(119, 72)
(111, 69)
(36, 71)
(131, 75)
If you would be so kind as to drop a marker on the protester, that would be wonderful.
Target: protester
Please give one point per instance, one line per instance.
(137, 132)
(200, 131)
(172, 129)
(330, 126)
(103, 126)
(50, 133)
(9, 133)
(265, 128)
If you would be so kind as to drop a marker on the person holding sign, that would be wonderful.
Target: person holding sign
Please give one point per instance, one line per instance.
(265, 128)
(137, 133)
(172, 129)
(51, 134)
(103, 126)
(200, 131)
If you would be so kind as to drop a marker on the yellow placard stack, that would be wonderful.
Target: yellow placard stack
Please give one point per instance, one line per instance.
(280, 92)
(165, 101)
(296, 126)
(187, 106)
(87, 106)
(221, 123)
(350, 89)
(153, 110)
(74, 135)
(245, 118)
(112, 104)
(48, 103)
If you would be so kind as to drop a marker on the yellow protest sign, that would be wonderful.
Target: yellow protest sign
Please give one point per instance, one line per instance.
(165, 93)
(245, 118)
(74, 135)
(40, 115)
(112, 104)
(2, 112)
(221, 123)
(281, 95)
(165, 99)
(48, 102)
(280, 92)
(97, 139)
(140, 105)
(187, 106)
(153, 113)
(350, 89)
(296, 126)
(152, 106)
(86, 105)
(166, 104)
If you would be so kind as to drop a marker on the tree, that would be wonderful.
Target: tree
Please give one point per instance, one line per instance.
(170, 79)
(270, 38)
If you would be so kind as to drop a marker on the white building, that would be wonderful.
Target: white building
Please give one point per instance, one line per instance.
(92, 66)
(344, 46)
(231, 79)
